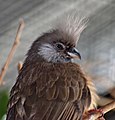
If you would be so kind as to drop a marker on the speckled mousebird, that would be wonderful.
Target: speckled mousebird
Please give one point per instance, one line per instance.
(50, 86)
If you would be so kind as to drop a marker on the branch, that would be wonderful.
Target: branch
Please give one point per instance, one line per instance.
(94, 115)
(15, 44)
(19, 66)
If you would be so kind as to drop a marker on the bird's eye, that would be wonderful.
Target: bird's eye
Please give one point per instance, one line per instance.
(60, 46)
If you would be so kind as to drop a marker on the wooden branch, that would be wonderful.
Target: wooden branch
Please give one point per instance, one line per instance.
(104, 100)
(95, 114)
(20, 64)
(15, 44)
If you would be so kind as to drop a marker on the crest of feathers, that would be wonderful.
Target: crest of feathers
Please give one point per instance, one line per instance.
(72, 26)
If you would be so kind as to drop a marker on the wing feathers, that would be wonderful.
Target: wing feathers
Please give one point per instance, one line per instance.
(52, 95)
(50, 92)
(64, 93)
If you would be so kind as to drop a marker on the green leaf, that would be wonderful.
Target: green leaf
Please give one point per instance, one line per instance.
(3, 102)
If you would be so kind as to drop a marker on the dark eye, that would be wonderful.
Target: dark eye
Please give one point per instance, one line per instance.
(60, 46)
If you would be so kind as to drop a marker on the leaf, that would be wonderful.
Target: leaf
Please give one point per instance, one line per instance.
(3, 102)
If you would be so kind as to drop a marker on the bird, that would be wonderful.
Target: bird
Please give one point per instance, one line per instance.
(51, 85)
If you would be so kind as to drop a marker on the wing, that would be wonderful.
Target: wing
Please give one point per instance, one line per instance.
(49, 92)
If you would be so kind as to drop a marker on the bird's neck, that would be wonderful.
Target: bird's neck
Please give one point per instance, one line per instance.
(39, 60)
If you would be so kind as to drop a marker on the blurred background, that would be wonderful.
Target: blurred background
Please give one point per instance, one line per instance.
(96, 44)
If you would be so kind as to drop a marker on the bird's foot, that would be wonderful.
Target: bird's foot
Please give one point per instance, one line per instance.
(97, 111)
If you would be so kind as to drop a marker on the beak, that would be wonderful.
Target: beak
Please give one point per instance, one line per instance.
(74, 53)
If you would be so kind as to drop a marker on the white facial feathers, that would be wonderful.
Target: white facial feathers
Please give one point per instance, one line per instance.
(73, 25)
(48, 52)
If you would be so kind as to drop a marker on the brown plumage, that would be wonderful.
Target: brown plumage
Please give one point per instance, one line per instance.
(49, 85)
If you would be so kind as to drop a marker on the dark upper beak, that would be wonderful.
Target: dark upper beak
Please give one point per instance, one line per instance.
(74, 53)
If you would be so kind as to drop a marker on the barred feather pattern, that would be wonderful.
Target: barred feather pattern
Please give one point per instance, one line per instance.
(60, 94)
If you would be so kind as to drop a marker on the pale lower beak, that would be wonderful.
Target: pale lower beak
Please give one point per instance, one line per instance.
(74, 53)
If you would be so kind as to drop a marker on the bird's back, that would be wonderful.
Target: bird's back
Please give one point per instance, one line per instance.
(49, 91)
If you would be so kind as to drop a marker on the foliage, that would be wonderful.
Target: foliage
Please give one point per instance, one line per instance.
(3, 102)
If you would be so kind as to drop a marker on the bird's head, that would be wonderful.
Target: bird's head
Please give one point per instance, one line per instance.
(59, 44)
